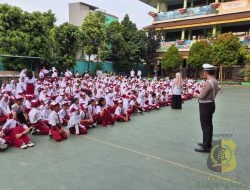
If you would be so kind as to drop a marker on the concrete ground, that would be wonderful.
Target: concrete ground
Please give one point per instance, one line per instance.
(152, 152)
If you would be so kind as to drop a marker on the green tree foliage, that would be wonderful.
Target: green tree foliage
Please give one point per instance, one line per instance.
(245, 55)
(200, 53)
(93, 33)
(134, 40)
(66, 39)
(226, 50)
(26, 34)
(172, 59)
(114, 37)
(153, 43)
(126, 44)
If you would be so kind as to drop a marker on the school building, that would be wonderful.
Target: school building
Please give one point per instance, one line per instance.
(78, 11)
(185, 21)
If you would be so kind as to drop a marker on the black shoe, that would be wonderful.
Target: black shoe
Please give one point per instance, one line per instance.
(200, 144)
(202, 149)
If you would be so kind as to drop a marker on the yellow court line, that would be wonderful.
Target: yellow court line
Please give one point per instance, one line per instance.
(168, 161)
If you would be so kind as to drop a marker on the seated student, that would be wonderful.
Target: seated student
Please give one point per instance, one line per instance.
(134, 105)
(92, 109)
(104, 117)
(46, 111)
(35, 117)
(56, 130)
(5, 104)
(86, 118)
(126, 104)
(152, 101)
(163, 99)
(141, 99)
(17, 131)
(120, 113)
(3, 145)
(109, 101)
(18, 105)
(74, 125)
(63, 113)
(3, 118)
(74, 104)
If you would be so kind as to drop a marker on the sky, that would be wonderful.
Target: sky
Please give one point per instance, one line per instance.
(137, 10)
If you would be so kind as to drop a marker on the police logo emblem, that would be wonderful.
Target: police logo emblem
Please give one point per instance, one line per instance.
(221, 158)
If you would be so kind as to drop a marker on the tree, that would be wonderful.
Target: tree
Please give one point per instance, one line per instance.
(93, 31)
(245, 56)
(114, 37)
(225, 51)
(172, 59)
(134, 40)
(200, 53)
(66, 38)
(153, 43)
(26, 34)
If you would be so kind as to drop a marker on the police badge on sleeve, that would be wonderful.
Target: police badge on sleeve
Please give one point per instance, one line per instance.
(221, 158)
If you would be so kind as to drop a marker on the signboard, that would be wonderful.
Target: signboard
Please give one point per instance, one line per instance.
(234, 6)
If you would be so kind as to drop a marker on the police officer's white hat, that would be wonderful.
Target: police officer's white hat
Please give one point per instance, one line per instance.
(208, 67)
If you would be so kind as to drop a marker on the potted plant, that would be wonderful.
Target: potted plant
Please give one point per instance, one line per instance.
(183, 10)
(180, 42)
(215, 5)
(247, 38)
(153, 14)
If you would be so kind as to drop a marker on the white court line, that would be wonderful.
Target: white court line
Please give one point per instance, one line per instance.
(168, 161)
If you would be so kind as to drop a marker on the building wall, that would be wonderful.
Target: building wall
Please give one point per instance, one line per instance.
(77, 13)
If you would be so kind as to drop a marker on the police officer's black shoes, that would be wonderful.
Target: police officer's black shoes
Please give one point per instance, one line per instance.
(202, 149)
(200, 144)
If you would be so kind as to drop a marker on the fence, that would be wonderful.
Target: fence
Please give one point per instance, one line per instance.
(107, 67)
(84, 66)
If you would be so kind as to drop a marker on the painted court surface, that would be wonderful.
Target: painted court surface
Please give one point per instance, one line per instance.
(152, 152)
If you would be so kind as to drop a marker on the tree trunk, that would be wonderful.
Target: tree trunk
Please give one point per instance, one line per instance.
(221, 74)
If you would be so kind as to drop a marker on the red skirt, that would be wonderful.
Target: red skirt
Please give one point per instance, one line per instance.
(30, 88)
(24, 139)
(105, 119)
(3, 119)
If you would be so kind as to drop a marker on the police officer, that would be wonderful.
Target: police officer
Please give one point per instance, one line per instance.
(207, 107)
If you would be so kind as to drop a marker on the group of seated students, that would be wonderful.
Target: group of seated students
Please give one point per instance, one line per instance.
(73, 105)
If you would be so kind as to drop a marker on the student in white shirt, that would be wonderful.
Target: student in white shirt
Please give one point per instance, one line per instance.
(86, 117)
(30, 83)
(74, 125)
(120, 113)
(35, 117)
(17, 131)
(63, 113)
(56, 130)
(153, 102)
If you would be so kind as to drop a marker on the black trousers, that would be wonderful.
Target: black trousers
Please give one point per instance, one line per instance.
(206, 118)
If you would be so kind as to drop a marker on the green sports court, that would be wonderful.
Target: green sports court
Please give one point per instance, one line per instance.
(151, 152)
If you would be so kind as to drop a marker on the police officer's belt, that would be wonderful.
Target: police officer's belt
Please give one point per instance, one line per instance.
(205, 101)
